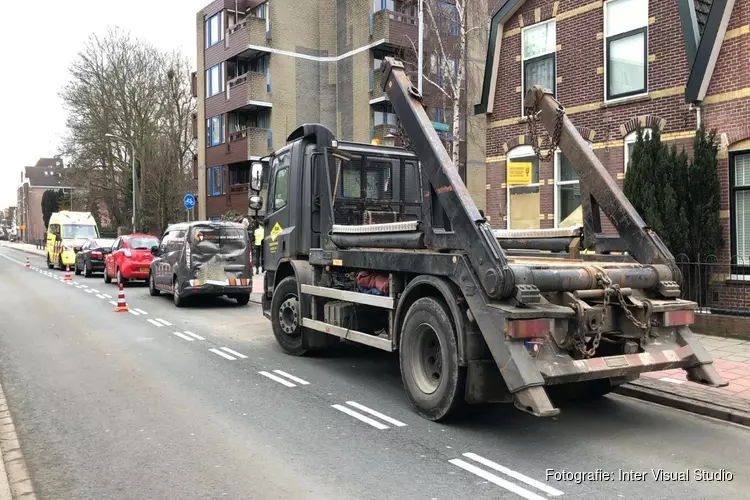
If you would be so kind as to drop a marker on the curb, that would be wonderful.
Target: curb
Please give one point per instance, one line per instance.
(664, 398)
(15, 482)
(39, 253)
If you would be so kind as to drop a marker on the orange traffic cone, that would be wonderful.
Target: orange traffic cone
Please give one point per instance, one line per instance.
(67, 274)
(121, 305)
(28, 264)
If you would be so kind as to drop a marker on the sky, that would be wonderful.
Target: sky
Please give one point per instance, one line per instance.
(37, 52)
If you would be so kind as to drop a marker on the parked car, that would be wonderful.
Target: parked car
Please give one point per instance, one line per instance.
(129, 258)
(203, 258)
(90, 257)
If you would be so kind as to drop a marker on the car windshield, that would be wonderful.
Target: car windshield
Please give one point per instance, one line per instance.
(78, 231)
(143, 243)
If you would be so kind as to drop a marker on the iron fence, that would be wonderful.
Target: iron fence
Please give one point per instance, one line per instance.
(717, 286)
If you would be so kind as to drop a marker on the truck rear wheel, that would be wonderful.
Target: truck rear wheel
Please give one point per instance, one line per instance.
(433, 379)
(286, 317)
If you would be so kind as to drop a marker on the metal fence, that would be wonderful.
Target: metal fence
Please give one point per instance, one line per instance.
(718, 286)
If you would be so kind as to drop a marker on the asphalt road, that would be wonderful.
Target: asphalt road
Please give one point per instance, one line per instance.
(171, 404)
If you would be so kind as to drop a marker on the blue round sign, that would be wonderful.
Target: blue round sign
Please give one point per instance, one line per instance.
(189, 201)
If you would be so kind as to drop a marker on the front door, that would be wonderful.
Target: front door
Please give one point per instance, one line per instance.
(278, 226)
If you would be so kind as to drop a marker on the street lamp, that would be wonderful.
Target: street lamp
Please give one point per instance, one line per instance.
(133, 157)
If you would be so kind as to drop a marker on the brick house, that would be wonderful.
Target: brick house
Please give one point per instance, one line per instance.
(48, 173)
(615, 65)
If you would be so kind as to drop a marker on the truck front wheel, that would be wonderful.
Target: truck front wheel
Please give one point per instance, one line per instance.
(286, 317)
(433, 379)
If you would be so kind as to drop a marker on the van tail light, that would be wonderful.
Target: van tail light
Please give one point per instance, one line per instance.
(96, 255)
(528, 328)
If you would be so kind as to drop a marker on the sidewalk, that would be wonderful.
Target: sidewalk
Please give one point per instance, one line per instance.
(23, 247)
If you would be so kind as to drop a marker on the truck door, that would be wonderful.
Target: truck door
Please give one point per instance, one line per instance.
(279, 222)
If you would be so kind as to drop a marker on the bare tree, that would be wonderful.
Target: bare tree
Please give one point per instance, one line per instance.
(122, 86)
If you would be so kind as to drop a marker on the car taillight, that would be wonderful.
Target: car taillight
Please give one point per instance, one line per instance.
(187, 255)
(528, 328)
(96, 255)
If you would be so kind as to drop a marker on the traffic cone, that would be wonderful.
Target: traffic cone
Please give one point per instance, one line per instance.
(121, 305)
(28, 264)
(67, 274)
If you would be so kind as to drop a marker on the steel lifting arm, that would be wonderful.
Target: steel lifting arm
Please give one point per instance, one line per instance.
(487, 257)
(644, 244)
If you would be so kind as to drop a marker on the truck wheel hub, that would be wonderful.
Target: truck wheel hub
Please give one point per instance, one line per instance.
(427, 359)
(289, 316)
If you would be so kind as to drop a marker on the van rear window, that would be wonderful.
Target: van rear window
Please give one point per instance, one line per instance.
(219, 240)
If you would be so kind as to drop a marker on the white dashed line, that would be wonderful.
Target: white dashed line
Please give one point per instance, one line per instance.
(234, 353)
(95, 290)
(374, 413)
(292, 377)
(154, 322)
(84, 286)
(107, 295)
(549, 490)
(113, 303)
(163, 322)
(359, 416)
(277, 379)
(89, 290)
(141, 311)
(194, 335)
(78, 286)
(100, 296)
(133, 312)
(183, 336)
(223, 354)
(503, 483)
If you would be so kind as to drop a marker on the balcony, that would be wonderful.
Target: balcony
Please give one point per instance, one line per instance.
(250, 87)
(395, 28)
(259, 141)
(249, 31)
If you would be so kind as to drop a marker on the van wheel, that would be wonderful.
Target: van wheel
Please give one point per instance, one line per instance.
(50, 265)
(433, 379)
(286, 318)
(152, 290)
(242, 299)
(179, 300)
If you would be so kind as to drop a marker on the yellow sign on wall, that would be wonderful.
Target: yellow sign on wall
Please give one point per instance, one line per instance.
(519, 173)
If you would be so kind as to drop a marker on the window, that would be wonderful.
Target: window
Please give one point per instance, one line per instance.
(629, 142)
(626, 47)
(215, 180)
(215, 126)
(260, 11)
(523, 202)
(739, 167)
(214, 33)
(438, 69)
(382, 114)
(450, 16)
(567, 193)
(538, 49)
(281, 181)
(214, 80)
(239, 174)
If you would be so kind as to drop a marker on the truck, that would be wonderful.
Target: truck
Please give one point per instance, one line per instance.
(385, 247)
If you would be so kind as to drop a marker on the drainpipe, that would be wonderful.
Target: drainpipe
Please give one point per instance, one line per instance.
(697, 109)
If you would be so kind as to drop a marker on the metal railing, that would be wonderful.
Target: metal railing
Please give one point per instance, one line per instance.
(717, 286)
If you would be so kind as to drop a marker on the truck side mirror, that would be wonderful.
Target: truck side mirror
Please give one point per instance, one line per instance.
(255, 203)
(256, 176)
(155, 251)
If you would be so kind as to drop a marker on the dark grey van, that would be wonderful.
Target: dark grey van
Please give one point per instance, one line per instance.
(203, 258)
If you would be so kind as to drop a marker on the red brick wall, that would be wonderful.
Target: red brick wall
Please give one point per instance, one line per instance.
(580, 83)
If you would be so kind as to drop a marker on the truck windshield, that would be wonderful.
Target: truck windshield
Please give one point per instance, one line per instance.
(212, 240)
(79, 231)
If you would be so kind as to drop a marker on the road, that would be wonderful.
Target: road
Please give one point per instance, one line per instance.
(187, 404)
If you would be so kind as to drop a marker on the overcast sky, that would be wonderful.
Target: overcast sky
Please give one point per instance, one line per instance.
(39, 46)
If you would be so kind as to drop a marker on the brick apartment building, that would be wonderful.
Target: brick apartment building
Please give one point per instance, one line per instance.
(48, 173)
(614, 65)
(272, 66)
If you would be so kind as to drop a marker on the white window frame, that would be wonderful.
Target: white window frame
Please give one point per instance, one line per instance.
(521, 152)
(209, 88)
(546, 54)
(628, 143)
(220, 17)
(558, 183)
(738, 271)
(606, 38)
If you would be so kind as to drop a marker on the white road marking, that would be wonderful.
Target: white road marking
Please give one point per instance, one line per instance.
(78, 286)
(84, 286)
(164, 322)
(95, 290)
(374, 413)
(141, 311)
(223, 354)
(672, 380)
(89, 290)
(549, 490)
(234, 353)
(359, 416)
(100, 296)
(113, 302)
(154, 322)
(194, 335)
(487, 476)
(183, 336)
(292, 377)
(107, 295)
(132, 311)
(277, 379)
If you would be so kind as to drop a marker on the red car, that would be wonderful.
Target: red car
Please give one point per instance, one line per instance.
(129, 258)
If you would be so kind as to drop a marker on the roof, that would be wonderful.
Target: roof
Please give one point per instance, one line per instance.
(702, 9)
(46, 176)
(49, 162)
